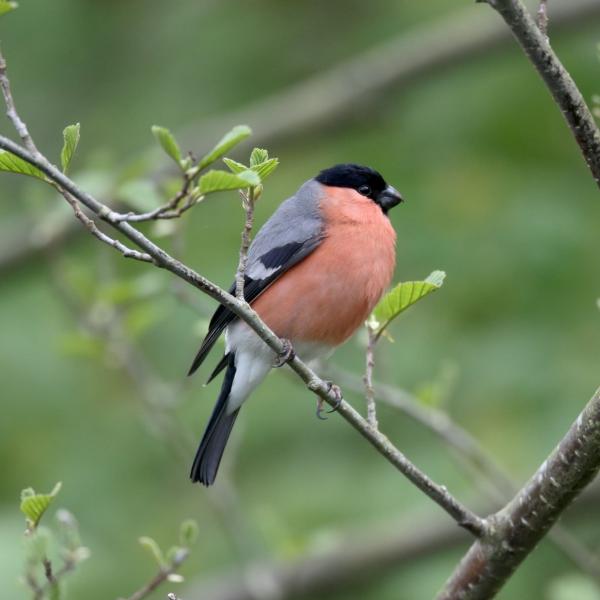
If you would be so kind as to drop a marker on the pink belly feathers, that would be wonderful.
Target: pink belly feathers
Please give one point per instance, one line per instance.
(329, 294)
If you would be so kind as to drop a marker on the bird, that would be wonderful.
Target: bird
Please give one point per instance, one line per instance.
(315, 271)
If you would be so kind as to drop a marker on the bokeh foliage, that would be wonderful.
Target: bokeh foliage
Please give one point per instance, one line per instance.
(497, 196)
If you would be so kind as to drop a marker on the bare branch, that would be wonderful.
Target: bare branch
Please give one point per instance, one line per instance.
(558, 81)
(368, 378)
(248, 204)
(182, 201)
(519, 526)
(93, 229)
(11, 111)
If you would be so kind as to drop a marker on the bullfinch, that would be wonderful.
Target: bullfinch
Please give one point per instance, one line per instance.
(315, 271)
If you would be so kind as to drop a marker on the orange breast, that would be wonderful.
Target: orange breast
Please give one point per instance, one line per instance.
(329, 294)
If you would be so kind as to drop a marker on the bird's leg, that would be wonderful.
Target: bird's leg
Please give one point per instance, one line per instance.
(337, 392)
(286, 355)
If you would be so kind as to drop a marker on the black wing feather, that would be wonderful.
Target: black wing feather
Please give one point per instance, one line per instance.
(281, 258)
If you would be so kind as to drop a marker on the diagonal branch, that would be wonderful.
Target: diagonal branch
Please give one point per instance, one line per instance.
(438, 493)
(537, 47)
(520, 525)
(11, 111)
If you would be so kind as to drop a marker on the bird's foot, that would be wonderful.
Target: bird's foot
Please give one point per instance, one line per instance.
(286, 355)
(337, 392)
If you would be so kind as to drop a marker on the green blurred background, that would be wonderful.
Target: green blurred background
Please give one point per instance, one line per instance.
(498, 197)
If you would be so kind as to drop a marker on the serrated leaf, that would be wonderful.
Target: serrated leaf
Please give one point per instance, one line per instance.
(154, 549)
(226, 143)
(234, 165)
(7, 6)
(188, 533)
(403, 296)
(217, 181)
(258, 156)
(71, 139)
(11, 163)
(167, 140)
(264, 169)
(33, 505)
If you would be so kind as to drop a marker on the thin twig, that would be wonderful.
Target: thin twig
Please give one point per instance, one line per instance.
(172, 209)
(368, 379)
(162, 575)
(557, 79)
(93, 229)
(11, 111)
(248, 204)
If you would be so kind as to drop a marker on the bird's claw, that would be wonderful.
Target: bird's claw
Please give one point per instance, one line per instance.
(337, 392)
(286, 355)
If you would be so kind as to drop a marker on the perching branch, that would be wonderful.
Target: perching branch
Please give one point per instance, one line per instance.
(248, 204)
(536, 45)
(324, 390)
(517, 528)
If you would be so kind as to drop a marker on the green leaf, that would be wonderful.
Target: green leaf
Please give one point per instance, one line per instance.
(403, 296)
(234, 166)
(217, 181)
(7, 6)
(263, 170)
(33, 505)
(188, 533)
(166, 139)
(13, 164)
(154, 549)
(258, 156)
(71, 139)
(227, 142)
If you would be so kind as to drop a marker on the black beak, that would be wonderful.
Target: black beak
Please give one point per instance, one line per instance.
(389, 198)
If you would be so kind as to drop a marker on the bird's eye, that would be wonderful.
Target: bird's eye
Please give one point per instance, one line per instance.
(364, 190)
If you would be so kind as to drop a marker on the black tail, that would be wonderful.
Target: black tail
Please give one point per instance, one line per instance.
(214, 440)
